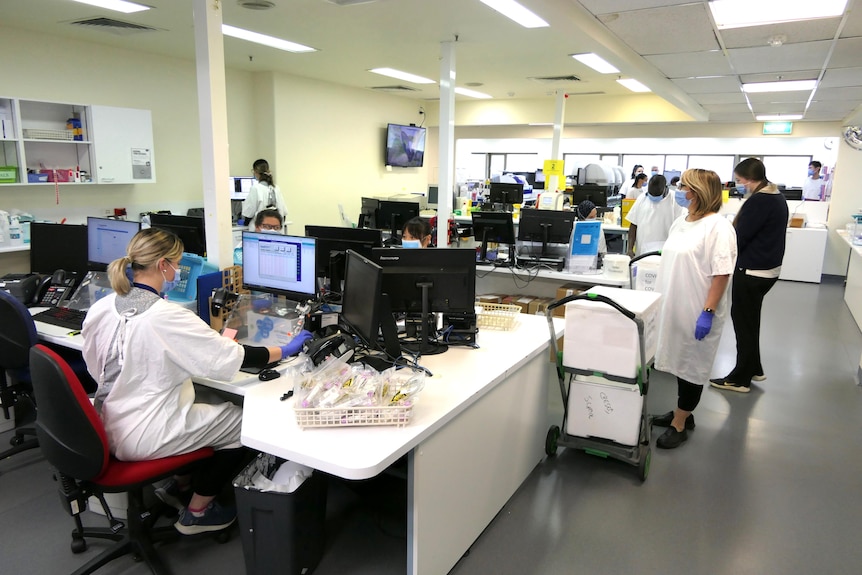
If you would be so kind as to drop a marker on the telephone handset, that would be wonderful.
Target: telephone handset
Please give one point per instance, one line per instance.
(54, 289)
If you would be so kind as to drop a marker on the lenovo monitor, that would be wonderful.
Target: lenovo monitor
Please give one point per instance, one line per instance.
(189, 229)
(107, 240)
(278, 264)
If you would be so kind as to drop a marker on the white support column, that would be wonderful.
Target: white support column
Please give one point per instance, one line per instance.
(212, 107)
(446, 174)
(559, 120)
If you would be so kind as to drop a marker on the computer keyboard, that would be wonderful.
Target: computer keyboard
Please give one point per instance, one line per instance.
(62, 316)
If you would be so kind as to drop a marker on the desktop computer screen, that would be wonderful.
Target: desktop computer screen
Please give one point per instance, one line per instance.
(497, 227)
(392, 215)
(332, 246)
(283, 265)
(598, 194)
(545, 227)
(506, 193)
(189, 229)
(107, 240)
(240, 186)
(58, 247)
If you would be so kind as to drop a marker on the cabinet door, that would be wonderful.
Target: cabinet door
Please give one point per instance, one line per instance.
(123, 145)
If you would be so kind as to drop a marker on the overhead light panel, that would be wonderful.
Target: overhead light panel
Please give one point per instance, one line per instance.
(787, 86)
(472, 93)
(399, 75)
(777, 117)
(596, 62)
(515, 12)
(743, 13)
(116, 5)
(633, 85)
(263, 39)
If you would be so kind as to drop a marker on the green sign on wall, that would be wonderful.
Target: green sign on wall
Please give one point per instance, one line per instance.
(772, 128)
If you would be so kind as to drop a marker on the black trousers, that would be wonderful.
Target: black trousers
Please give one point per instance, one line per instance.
(747, 296)
(688, 394)
(210, 476)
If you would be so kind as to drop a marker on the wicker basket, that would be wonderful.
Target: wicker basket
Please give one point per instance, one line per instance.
(496, 316)
(352, 416)
(36, 134)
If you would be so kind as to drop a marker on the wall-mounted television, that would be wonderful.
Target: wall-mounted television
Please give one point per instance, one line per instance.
(405, 146)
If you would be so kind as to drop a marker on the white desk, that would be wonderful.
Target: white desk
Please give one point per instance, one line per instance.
(477, 432)
(612, 229)
(55, 334)
(541, 283)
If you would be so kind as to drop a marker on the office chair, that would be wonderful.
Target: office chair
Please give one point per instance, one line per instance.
(73, 440)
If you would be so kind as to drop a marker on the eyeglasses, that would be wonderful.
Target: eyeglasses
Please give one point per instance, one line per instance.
(271, 227)
(681, 184)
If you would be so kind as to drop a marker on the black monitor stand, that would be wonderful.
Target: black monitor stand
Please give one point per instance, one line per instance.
(391, 353)
(425, 345)
(336, 270)
(483, 254)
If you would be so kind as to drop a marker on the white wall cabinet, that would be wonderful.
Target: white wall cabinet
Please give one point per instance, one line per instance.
(112, 145)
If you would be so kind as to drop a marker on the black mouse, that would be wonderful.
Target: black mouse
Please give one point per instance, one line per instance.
(267, 374)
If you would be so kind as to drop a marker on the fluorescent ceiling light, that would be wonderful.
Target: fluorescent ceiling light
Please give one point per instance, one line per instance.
(472, 93)
(270, 41)
(116, 5)
(777, 117)
(633, 85)
(742, 13)
(541, 124)
(596, 62)
(788, 86)
(399, 75)
(515, 12)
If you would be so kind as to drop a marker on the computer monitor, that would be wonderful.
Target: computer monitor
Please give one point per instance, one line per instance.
(392, 215)
(332, 246)
(277, 264)
(107, 240)
(365, 308)
(545, 226)
(58, 247)
(598, 194)
(428, 280)
(493, 227)
(433, 197)
(240, 186)
(539, 181)
(506, 194)
(188, 228)
(368, 213)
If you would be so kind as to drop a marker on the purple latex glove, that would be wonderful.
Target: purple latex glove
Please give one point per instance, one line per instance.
(240, 222)
(295, 345)
(704, 324)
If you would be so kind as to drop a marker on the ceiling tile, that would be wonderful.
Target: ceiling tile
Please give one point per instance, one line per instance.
(726, 108)
(708, 85)
(787, 58)
(691, 64)
(794, 32)
(825, 116)
(854, 93)
(836, 106)
(778, 108)
(841, 77)
(609, 6)
(721, 98)
(847, 53)
(783, 97)
(732, 118)
(771, 77)
(665, 30)
(853, 26)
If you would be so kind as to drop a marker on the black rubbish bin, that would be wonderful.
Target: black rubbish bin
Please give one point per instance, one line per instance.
(282, 533)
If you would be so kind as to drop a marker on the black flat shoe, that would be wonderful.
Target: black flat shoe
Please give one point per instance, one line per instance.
(718, 380)
(671, 438)
(666, 419)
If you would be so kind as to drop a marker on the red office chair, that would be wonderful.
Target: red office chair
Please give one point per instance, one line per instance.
(74, 442)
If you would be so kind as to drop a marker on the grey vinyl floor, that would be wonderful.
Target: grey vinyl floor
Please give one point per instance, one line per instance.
(768, 482)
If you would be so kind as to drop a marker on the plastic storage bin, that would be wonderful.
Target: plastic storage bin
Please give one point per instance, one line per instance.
(603, 409)
(282, 533)
(186, 292)
(8, 174)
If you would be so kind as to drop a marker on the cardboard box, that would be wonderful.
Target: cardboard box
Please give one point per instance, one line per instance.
(797, 221)
(565, 290)
(524, 302)
(605, 410)
(602, 339)
(489, 298)
(539, 305)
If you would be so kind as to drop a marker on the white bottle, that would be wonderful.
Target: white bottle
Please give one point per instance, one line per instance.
(617, 216)
(4, 228)
(15, 237)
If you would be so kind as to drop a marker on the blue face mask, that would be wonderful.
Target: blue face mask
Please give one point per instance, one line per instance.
(411, 244)
(740, 189)
(654, 173)
(810, 173)
(655, 198)
(168, 286)
(680, 198)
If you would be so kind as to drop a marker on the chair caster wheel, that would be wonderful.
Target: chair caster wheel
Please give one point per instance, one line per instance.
(16, 440)
(222, 537)
(79, 545)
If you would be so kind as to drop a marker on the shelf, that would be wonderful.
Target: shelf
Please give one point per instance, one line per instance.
(21, 248)
(47, 184)
(41, 141)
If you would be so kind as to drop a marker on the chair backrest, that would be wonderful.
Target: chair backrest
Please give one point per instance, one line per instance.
(17, 332)
(69, 430)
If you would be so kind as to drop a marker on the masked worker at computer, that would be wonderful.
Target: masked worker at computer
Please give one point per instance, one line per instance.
(143, 351)
(267, 222)
(264, 195)
(586, 211)
(651, 216)
(416, 234)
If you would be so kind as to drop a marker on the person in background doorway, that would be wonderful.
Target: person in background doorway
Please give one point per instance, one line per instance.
(653, 171)
(264, 194)
(811, 189)
(416, 234)
(587, 211)
(638, 187)
(624, 190)
(761, 226)
(651, 216)
(698, 258)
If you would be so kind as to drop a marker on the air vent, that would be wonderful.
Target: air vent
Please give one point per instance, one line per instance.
(569, 79)
(112, 26)
(256, 4)
(397, 88)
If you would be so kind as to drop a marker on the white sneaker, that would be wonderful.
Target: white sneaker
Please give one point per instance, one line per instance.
(760, 377)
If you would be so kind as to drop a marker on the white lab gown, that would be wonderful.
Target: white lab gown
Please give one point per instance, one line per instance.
(693, 253)
(653, 220)
(150, 411)
(258, 199)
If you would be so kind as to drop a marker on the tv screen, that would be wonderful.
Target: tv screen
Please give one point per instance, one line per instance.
(405, 146)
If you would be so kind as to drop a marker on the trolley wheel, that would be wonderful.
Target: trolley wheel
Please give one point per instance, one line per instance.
(79, 545)
(551, 440)
(16, 440)
(643, 464)
(222, 537)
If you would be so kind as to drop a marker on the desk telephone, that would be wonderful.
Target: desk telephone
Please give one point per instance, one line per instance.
(54, 289)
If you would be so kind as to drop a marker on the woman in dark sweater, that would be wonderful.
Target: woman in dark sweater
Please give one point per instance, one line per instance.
(760, 234)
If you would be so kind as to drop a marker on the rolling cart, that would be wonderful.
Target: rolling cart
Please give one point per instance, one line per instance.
(611, 410)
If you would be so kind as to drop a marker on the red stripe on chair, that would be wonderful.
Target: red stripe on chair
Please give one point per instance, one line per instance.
(122, 473)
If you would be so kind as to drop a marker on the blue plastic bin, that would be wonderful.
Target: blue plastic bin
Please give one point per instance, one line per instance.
(186, 292)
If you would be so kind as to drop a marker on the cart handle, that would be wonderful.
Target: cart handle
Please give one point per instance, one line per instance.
(591, 297)
(642, 256)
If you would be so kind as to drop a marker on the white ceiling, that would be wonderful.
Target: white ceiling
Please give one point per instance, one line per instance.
(669, 45)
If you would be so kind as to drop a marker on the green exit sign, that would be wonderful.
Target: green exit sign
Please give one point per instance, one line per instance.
(772, 128)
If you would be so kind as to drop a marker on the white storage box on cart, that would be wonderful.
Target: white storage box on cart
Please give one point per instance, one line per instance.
(600, 338)
(603, 408)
